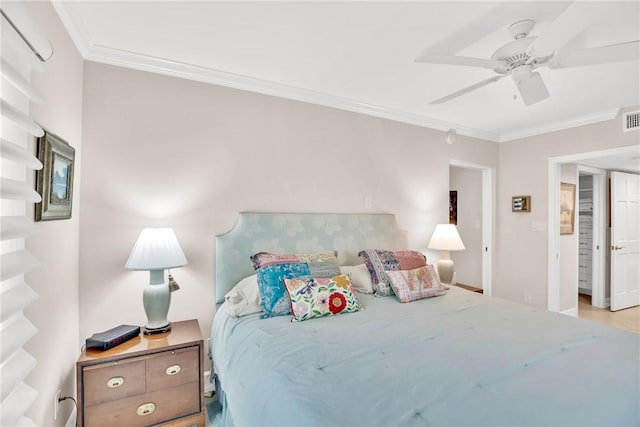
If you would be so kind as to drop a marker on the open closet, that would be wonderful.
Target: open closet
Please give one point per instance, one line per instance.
(585, 234)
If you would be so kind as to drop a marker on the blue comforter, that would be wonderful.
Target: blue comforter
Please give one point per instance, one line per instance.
(459, 359)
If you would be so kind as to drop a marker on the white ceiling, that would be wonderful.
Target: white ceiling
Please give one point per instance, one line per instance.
(359, 56)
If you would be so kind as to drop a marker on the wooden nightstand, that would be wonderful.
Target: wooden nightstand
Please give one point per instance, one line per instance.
(149, 380)
(469, 288)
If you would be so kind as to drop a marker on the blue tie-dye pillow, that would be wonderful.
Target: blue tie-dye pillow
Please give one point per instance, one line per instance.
(274, 300)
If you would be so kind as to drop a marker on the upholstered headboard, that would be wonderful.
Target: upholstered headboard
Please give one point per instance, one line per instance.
(300, 233)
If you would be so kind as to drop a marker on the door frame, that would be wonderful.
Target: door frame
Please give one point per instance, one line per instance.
(553, 215)
(488, 219)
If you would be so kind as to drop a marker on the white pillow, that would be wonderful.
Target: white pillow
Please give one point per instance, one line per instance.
(244, 298)
(360, 277)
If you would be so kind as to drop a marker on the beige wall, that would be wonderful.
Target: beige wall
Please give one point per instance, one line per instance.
(521, 258)
(165, 151)
(468, 263)
(56, 244)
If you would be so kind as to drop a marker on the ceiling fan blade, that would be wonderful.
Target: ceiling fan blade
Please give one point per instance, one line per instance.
(434, 58)
(482, 25)
(573, 20)
(620, 52)
(466, 90)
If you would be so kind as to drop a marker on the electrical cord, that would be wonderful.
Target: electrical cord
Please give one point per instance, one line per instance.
(62, 398)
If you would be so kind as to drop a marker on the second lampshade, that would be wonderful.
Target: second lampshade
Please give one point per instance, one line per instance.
(445, 238)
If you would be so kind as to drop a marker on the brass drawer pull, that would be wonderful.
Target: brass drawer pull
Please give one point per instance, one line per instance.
(173, 370)
(115, 382)
(146, 409)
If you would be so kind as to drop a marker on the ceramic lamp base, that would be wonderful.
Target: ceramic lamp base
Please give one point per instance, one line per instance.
(153, 331)
(156, 299)
(445, 271)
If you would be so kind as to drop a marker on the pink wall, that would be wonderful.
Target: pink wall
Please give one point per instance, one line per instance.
(164, 151)
(56, 244)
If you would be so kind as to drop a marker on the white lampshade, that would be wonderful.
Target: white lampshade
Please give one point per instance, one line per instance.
(446, 238)
(156, 249)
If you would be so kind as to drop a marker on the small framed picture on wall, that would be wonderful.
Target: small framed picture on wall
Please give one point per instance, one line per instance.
(453, 207)
(567, 207)
(54, 182)
(521, 204)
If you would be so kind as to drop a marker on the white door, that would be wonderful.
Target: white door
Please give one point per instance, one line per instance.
(625, 254)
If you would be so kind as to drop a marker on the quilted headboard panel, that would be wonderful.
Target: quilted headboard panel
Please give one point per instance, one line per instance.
(300, 233)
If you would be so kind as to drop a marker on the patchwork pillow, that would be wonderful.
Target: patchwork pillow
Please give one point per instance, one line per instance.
(262, 259)
(243, 298)
(378, 261)
(419, 283)
(321, 297)
(359, 276)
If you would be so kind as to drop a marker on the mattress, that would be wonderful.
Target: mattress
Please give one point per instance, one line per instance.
(459, 359)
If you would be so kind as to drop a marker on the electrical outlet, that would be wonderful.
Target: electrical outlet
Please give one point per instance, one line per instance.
(368, 203)
(56, 402)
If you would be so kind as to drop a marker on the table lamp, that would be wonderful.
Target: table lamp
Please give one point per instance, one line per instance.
(156, 250)
(445, 238)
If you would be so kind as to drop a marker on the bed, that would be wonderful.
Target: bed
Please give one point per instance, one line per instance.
(458, 359)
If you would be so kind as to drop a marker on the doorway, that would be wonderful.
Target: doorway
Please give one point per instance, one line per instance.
(607, 159)
(484, 222)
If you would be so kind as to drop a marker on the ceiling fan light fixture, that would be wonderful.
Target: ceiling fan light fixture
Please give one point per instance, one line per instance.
(530, 86)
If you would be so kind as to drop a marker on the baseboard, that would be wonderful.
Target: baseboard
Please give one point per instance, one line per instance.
(573, 312)
(584, 291)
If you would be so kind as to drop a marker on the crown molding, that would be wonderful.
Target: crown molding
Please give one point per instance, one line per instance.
(90, 51)
(601, 116)
(238, 81)
(73, 22)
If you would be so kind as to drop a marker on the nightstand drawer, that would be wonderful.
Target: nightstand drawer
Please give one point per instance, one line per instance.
(146, 409)
(116, 380)
(173, 368)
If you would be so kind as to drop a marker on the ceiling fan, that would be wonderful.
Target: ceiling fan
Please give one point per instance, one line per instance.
(522, 56)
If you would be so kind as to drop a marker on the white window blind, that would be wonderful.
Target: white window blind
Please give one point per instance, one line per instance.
(23, 50)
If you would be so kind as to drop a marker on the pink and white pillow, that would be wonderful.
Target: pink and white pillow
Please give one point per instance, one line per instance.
(419, 283)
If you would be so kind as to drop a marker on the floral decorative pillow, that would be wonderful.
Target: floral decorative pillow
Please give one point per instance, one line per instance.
(274, 300)
(378, 261)
(321, 297)
(262, 259)
(411, 285)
